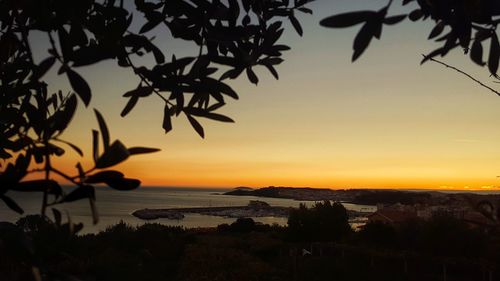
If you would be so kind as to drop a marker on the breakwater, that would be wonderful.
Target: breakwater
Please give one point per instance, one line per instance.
(230, 212)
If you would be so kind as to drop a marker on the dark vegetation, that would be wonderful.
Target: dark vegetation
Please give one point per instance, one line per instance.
(245, 250)
(229, 38)
(325, 221)
(120, 252)
(242, 225)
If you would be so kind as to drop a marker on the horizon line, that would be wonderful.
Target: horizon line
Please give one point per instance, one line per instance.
(484, 188)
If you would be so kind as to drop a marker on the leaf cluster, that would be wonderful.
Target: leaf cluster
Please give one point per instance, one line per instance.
(469, 25)
(233, 37)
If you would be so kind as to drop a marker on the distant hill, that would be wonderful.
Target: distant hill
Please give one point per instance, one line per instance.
(244, 188)
(373, 196)
(297, 193)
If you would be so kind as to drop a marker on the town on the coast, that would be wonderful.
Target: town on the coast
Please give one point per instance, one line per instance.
(392, 206)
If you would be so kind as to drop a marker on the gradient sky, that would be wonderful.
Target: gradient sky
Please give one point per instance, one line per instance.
(384, 121)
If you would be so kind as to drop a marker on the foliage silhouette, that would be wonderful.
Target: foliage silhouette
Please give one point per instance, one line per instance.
(468, 25)
(158, 252)
(324, 221)
(121, 252)
(230, 38)
(378, 234)
(439, 236)
(242, 225)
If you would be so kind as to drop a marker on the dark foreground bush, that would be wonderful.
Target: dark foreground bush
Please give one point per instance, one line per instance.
(121, 252)
(325, 221)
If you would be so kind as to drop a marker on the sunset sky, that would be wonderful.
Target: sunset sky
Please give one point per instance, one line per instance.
(382, 122)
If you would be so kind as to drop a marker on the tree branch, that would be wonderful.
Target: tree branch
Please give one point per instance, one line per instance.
(143, 79)
(464, 73)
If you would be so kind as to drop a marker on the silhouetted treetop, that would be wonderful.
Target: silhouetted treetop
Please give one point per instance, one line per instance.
(324, 221)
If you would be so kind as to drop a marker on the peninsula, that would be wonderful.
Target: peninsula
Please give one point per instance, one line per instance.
(369, 196)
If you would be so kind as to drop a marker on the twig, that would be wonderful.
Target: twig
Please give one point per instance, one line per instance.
(70, 179)
(24, 35)
(464, 73)
(53, 44)
(143, 79)
(47, 169)
(35, 171)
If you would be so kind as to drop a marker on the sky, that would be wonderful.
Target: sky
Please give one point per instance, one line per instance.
(381, 122)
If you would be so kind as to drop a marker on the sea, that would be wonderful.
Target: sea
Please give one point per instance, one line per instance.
(115, 206)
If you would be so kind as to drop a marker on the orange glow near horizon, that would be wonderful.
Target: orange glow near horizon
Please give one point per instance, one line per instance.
(382, 122)
(155, 170)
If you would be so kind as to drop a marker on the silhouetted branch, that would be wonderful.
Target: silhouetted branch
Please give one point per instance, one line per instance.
(25, 41)
(47, 177)
(54, 48)
(70, 179)
(143, 79)
(464, 73)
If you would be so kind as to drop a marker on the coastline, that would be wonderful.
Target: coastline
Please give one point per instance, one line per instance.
(369, 196)
(254, 209)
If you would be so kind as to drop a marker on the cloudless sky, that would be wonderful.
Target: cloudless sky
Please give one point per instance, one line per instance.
(384, 121)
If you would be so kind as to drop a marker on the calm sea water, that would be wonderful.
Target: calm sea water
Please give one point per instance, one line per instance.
(114, 206)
